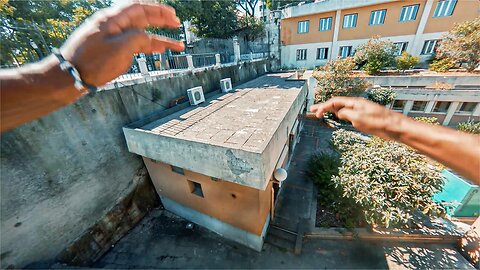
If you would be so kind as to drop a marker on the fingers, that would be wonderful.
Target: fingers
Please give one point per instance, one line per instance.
(333, 105)
(139, 41)
(143, 15)
(347, 114)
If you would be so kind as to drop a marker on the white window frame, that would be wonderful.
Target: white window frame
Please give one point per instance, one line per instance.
(398, 109)
(444, 8)
(341, 51)
(441, 112)
(301, 54)
(426, 104)
(409, 13)
(466, 112)
(350, 20)
(401, 47)
(302, 27)
(377, 17)
(324, 52)
(429, 46)
(325, 24)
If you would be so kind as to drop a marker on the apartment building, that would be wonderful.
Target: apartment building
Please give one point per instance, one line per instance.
(312, 34)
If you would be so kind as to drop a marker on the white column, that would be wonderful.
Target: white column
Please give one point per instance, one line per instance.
(476, 112)
(142, 65)
(451, 110)
(416, 46)
(312, 85)
(190, 61)
(408, 106)
(429, 107)
(236, 49)
(217, 59)
(334, 50)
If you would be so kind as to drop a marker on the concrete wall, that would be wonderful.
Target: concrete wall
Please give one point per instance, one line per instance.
(241, 206)
(64, 172)
(422, 81)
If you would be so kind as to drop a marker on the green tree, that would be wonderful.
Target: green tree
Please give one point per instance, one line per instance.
(375, 55)
(462, 44)
(406, 61)
(442, 64)
(251, 28)
(27, 24)
(382, 96)
(337, 79)
(470, 127)
(388, 180)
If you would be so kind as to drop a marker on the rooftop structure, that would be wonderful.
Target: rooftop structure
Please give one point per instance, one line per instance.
(210, 162)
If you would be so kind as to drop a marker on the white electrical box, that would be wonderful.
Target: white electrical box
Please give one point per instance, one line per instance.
(195, 95)
(226, 85)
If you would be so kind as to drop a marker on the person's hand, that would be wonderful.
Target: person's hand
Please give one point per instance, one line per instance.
(102, 48)
(364, 115)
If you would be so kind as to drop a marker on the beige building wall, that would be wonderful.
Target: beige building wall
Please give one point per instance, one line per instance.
(465, 10)
(243, 207)
(391, 27)
(290, 35)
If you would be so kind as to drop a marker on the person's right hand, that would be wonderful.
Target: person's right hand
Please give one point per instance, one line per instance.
(366, 116)
(102, 48)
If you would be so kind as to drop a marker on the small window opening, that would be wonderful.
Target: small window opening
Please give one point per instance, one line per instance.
(195, 188)
(178, 170)
(234, 196)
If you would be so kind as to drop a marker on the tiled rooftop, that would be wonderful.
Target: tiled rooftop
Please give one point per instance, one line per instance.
(245, 119)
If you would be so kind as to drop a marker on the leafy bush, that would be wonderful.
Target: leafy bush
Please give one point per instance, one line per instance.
(442, 64)
(406, 61)
(461, 44)
(427, 120)
(321, 169)
(337, 79)
(375, 55)
(382, 96)
(469, 127)
(387, 179)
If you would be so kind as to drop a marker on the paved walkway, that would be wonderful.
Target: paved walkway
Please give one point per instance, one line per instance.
(296, 202)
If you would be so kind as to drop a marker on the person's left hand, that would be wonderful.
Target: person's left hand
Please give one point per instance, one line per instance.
(102, 48)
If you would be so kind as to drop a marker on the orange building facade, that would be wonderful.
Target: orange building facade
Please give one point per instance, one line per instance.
(314, 33)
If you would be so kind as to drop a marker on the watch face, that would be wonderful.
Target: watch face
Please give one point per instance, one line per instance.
(197, 95)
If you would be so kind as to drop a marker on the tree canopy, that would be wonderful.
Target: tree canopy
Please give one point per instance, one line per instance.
(212, 19)
(29, 28)
(462, 44)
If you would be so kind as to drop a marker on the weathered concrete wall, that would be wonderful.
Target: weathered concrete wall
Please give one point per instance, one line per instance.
(415, 81)
(64, 172)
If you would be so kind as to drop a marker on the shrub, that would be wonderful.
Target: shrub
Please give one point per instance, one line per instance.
(375, 55)
(427, 120)
(337, 79)
(382, 96)
(321, 169)
(442, 64)
(388, 180)
(469, 127)
(406, 61)
(461, 44)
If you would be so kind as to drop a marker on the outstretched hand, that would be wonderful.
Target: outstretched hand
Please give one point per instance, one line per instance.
(364, 115)
(103, 46)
